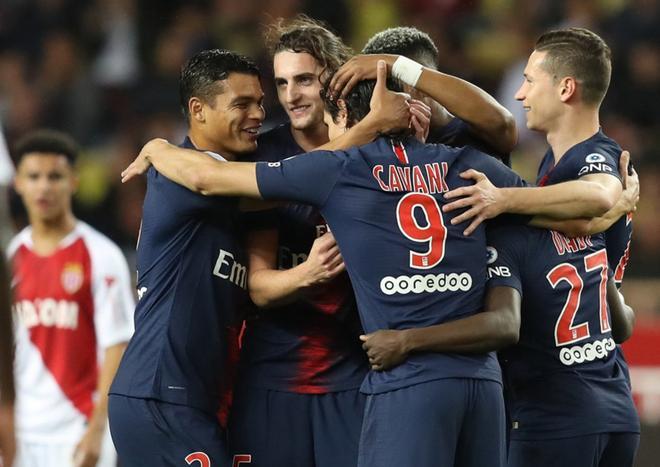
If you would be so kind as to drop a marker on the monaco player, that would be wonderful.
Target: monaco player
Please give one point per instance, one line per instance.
(73, 308)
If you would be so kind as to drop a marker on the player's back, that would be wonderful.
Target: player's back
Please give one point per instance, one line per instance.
(191, 276)
(562, 377)
(408, 265)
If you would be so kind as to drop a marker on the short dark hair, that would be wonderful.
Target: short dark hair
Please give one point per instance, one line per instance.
(47, 141)
(200, 75)
(579, 53)
(406, 41)
(303, 34)
(357, 100)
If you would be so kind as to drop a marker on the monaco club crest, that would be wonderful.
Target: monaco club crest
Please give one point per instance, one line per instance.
(72, 277)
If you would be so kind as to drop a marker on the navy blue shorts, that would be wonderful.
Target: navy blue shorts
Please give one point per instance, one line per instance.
(147, 432)
(449, 422)
(598, 450)
(283, 429)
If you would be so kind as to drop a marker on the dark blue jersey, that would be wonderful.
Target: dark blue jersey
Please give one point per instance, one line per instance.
(312, 344)
(598, 154)
(191, 277)
(562, 378)
(408, 265)
(457, 133)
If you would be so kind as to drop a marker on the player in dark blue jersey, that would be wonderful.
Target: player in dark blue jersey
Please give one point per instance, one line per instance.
(191, 277)
(462, 115)
(569, 401)
(566, 79)
(301, 361)
(360, 192)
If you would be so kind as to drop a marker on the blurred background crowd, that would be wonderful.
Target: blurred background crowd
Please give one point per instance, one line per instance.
(106, 71)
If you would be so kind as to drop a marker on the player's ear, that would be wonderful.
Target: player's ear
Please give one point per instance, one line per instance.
(196, 110)
(567, 88)
(342, 116)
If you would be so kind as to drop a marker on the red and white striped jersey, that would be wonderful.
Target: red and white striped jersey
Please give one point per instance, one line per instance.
(68, 307)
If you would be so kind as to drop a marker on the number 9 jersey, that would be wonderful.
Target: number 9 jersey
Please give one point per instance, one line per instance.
(408, 265)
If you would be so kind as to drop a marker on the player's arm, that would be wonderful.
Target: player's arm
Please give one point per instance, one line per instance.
(88, 449)
(195, 170)
(389, 111)
(488, 118)
(591, 196)
(580, 227)
(497, 326)
(7, 390)
(270, 286)
(621, 314)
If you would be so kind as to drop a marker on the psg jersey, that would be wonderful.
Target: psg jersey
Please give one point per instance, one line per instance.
(598, 154)
(562, 378)
(408, 265)
(191, 279)
(310, 345)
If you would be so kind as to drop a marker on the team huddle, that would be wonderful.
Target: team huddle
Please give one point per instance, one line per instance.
(393, 295)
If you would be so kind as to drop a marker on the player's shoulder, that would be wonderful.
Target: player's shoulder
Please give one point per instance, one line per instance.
(275, 144)
(21, 238)
(100, 247)
(597, 149)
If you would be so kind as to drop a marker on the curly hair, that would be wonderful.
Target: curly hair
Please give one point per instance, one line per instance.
(406, 41)
(303, 34)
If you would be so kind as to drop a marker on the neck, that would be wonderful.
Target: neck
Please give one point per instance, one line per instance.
(47, 233)
(203, 143)
(311, 138)
(576, 127)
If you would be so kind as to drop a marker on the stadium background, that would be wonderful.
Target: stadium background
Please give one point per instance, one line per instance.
(106, 71)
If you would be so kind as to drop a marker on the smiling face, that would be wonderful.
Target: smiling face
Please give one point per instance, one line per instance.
(540, 95)
(232, 120)
(46, 182)
(298, 88)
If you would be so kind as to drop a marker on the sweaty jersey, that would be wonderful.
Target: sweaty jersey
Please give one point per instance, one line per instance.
(562, 378)
(69, 306)
(598, 154)
(311, 345)
(408, 265)
(191, 278)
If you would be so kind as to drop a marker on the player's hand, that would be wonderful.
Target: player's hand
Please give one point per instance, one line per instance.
(142, 163)
(630, 194)
(385, 348)
(483, 200)
(355, 70)
(7, 439)
(420, 119)
(324, 261)
(390, 111)
(88, 450)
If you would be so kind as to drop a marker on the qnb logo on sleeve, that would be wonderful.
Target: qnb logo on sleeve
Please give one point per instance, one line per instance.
(597, 350)
(594, 163)
(229, 269)
(428, 283)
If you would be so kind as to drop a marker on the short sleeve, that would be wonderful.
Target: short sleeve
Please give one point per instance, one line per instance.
(307, 178)
(113, 299)
(600, 162)
(506, 255)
